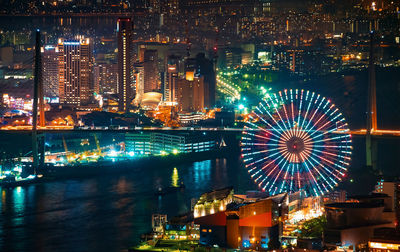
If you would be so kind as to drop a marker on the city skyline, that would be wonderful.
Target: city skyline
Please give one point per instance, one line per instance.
(259, 125)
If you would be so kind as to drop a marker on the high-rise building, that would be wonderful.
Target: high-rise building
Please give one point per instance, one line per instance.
(139, 81)
(106, 78)
(190, 94)
(392, 189)
(50, 71)
(125, 92)
(151, 75)
(205, 68)
(171, 78)
(75, 71)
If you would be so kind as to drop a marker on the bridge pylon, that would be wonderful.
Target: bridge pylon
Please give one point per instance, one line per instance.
(38, 100)
(372, 122)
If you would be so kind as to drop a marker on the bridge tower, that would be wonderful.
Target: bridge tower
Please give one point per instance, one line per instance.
(37, 139)
(372, 124)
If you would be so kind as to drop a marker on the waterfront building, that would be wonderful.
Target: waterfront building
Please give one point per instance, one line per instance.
(158, 222)
(125, 90)
(50, 71)
(138, 144)
(155, 143)
(75, 71)
(213, 202)
(250, 225)
(182, 227)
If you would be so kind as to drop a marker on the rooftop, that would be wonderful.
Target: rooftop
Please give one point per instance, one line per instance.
(352, 205)
(370, 196)
(215, 195)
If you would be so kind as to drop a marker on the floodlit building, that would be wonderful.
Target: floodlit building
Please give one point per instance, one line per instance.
(150, 100)
(213, 202)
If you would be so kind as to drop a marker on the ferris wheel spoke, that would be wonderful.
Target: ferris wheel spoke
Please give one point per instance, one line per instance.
(314, 113)
(333, 155)
(308, 108)
(284, 109)
(280, 117)
(277, 176)
(265, 158)
(332, 163)
(331, 138)
(281, 130)
(311, 175)
(296, 140)
(326, 172)
(262, 129)
(324, 185)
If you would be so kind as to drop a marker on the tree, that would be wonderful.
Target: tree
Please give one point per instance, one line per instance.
(313, 228)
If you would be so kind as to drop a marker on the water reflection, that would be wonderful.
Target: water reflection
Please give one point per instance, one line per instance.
(201, 172)
(175, 177)
(106, 213)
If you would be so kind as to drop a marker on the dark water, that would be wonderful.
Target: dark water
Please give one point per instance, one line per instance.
(105, 213)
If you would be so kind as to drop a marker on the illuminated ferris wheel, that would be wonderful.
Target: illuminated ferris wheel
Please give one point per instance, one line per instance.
(296, 140)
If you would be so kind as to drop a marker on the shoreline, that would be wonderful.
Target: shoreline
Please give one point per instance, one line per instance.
(95, 169)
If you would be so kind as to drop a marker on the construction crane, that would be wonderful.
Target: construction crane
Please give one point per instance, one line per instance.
(97, 144)
(69, 156)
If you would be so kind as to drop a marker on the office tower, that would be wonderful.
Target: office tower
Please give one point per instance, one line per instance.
(106, 78)
(50, 71)
(205, 68)
(150, 65)
(190, 94)
(75, 71)
(125, 92)
(171, 78)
